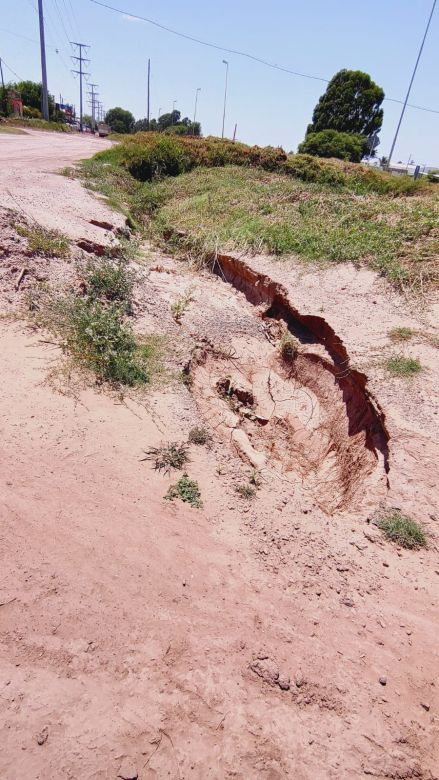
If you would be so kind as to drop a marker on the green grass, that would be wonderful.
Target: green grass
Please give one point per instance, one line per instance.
(168, 456)
(398, 365)
(94, 332)
(325, 212)
(401, 334)
(8, 130)
(403, 531)
(179, 306)
(45, 242)
(186, 490)
(39, 124)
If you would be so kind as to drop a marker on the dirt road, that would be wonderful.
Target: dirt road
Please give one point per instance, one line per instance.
(268, 638)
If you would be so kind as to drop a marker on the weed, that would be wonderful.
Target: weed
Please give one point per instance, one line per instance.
(97, 338)
(110, 279)
(398, 365)
(289, 347)
(246, 491)
(179, 307)
(402, 530)
(401, 334)
(168, 456)
(199, 436)
(186, 490)
(45, 242)
(255, 479)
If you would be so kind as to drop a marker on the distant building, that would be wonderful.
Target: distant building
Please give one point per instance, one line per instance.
(15, 103)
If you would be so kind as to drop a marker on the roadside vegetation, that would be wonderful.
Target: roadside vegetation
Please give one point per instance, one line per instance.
(399, 365)
(187, 490)
(92, 328)
(201, 196)
(403, 531)
(44, 242)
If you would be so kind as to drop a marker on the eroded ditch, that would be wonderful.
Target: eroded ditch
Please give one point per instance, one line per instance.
(312, 417)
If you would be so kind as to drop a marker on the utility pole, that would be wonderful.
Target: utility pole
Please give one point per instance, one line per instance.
(173, 109)
(225, 95)
(44, 94)
(1, 72)
(149, 86)
(93, 101)
(196, 101)
(410, 85)
(80, 73)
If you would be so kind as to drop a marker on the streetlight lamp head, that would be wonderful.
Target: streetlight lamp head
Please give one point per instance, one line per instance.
(225, 62)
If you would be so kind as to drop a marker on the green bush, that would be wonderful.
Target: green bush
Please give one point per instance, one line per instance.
(332, 143)
(163, 158)
(31, 113)
(403, 531)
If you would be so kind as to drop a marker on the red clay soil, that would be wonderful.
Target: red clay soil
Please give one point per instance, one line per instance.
(274, 637)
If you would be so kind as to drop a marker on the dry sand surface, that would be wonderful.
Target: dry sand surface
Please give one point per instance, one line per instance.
(278, 637)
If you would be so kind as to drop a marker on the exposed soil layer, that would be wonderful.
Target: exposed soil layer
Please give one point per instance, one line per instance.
(311, 417)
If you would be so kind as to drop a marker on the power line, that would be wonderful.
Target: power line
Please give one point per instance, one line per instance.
(61, 20)
(12, 71)
(25, 38)
(81, 73)
(239, 53)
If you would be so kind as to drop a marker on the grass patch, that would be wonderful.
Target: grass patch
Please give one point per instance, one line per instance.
(398, 365)
(199, 436)
(8, 130)
(246, 491)
(45, 242)
(206, 195)
(38, 124)
(186, 490)
(168, 456)
(403, 531)
(401, 334)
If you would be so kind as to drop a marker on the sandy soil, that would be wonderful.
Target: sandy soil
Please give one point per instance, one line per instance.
(141, 638)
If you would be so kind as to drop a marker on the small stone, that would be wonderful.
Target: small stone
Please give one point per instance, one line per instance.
(299, 680)
(127, 770)
(283, 682)
(347, 601)
(383, 680)
(425, 706)
(42, 736)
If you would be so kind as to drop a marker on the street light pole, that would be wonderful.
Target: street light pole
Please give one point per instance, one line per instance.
(410, 85)
(225, 95)
(196, 101)
(173, 109)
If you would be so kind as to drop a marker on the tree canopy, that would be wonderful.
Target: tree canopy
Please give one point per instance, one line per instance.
(351, 104)
(30, 92)
(170, 123)
(120, 120)
(331, 143)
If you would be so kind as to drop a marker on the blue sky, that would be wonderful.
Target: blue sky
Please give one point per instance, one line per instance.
(270, 107)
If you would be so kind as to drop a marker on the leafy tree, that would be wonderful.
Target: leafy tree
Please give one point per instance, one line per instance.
(330, 143)
(184, 128)
(87, 120)
(120, 120)
(167, 120)
(351, 104)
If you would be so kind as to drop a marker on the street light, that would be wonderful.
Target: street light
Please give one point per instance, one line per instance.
(196, 100)
(173, 109)
(225, 95)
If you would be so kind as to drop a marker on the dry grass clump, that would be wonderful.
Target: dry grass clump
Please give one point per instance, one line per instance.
(399, 365)
(171, 455)
(45, 242)
(401, 334)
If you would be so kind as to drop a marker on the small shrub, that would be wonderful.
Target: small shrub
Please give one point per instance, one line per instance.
(404, 531)
(168, 456)
(398, 365)
(255, 479)
(44, 242)
(109, 279)
(186, 490)
(179, 306)
(332, 143)
(401, 334)
(246, 491)
(200, 436)
(289, 347)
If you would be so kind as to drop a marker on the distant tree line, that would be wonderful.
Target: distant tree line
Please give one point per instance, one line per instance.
(122, 121)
